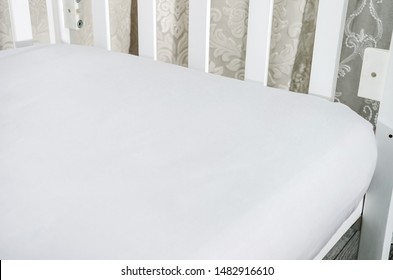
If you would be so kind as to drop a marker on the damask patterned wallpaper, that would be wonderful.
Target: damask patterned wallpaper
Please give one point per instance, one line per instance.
(286, 28)
(5, 26)
(120, 20)
(172, 31)
(301, 70)
(228, 36)
(39, 22)
(369, 24)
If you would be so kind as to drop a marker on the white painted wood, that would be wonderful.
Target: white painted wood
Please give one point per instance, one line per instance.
(199, 34)
(377, 225)
(53, 21)
(340, 232)
(147, 33)
(386, 108)
(373, 76)
(64, 32)
(258, 40)
(20, 22)
(101, 24)
(327, 47)
(57, 31)
(73, 18)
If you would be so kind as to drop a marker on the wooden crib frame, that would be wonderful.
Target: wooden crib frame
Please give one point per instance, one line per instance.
(377, 208)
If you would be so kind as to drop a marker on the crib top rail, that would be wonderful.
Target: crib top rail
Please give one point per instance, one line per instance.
(328, 39)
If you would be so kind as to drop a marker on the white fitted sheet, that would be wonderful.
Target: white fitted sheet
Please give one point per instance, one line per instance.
(109, 156)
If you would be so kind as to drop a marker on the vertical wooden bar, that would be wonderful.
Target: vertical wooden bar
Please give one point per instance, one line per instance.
(52, 21)
(377, 222)
(101, 24)
(386, 108)
(199, 34)
(377, 225)
(64, 33)
(260, 17)
(57, 31)
(21, 22)
(147, 33)
(327, 47)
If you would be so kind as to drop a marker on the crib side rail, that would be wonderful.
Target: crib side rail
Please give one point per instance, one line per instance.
(328, 40)
(377, 223)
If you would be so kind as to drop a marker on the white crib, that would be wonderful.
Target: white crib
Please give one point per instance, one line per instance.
(377, 210)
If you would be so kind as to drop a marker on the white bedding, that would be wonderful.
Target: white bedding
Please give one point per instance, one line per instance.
(109, 156)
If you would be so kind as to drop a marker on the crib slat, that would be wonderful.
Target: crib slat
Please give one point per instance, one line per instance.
(199, 33)
(53, 21)
(101, 23)
(21, 22)
(57, 31)
(147, 34)
(258, 40)
(327, 47)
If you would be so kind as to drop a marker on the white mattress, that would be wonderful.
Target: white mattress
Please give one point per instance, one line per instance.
(109, 156)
